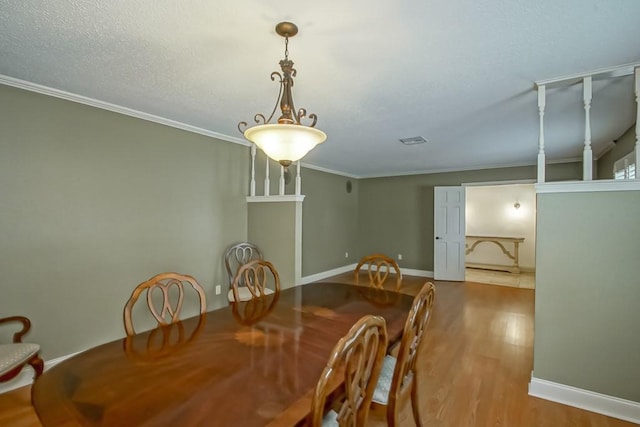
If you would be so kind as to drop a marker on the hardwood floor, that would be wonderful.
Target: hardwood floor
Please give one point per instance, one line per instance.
(525, 280)
(475, 366)
(474, 369)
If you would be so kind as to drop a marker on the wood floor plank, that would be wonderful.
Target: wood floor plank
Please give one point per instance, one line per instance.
(474, 369)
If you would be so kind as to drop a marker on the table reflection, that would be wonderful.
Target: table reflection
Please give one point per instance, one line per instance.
(248, 365)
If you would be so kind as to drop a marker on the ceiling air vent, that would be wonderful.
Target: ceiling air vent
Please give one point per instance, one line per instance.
(413, 140)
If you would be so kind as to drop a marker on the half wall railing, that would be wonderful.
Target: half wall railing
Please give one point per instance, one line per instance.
(587, 80)
(267, 179)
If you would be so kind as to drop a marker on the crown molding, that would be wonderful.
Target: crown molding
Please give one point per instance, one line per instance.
(472, 168)
(331, 171)
(56, 93)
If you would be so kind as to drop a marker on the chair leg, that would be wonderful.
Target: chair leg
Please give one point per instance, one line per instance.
(415, 407)
(38, 365)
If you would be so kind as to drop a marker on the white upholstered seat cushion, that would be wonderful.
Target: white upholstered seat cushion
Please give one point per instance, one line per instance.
(330, 419)
(16, 354)
(381, 393)
(244, 294)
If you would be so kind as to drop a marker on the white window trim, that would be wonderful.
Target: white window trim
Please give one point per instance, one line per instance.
(625, 167)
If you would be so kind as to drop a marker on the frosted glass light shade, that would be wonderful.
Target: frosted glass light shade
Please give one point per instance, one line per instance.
(283, 142)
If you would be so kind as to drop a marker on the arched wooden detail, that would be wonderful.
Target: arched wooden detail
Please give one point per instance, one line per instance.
(356, 359)
(404, 375)
(515, 256)
(256, 276)
(169, 312)
(379, 267)
(238, 255)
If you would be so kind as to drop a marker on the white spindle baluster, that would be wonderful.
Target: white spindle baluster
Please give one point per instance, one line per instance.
(267, 183)
(541, 158)
(281, 183)
(252, 189)
(298, 179)
(637, 77)
(587, 155)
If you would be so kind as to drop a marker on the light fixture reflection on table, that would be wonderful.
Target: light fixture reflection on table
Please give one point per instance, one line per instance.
(288, 140)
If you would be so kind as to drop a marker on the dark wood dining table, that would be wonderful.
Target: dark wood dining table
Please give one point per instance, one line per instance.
(248, 364)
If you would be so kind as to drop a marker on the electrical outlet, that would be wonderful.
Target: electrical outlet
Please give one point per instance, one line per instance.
(399, 257)
(346, 254)
(218, 289)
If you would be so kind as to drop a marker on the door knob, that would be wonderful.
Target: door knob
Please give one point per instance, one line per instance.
(437, 238)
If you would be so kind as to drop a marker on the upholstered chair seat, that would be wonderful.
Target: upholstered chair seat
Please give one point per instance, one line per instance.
(14, 356)
(17, 354)
(244, 294)
(381, 393)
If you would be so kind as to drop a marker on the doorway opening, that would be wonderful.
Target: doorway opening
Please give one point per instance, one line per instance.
(500, 241)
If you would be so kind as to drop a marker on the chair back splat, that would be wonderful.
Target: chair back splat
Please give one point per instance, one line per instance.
(378, 268)
(238, 255)
(356, 360)
(169, 312)
(398, 377)
(255, 279)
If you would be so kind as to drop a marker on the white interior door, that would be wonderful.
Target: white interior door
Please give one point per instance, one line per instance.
(449, 233)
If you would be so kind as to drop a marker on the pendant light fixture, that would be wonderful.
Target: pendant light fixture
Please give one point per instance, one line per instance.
(288, 140)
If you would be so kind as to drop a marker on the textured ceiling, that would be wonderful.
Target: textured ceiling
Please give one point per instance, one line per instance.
(459, 73)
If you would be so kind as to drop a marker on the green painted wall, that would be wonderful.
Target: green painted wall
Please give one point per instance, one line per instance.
(587, 319)
(94, 202)
(272, 227)
(396, 213)
(330, 225)
(625, 144)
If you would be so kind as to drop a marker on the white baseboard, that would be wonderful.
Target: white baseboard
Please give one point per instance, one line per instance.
(325, 274)
(417, 273)
(25, 377)
(626, 410)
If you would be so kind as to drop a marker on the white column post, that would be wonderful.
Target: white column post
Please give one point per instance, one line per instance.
(267, 183)
(252, 189)
(298, 180)
(281, 183)
(637, 78)
(587, 155)
(541, 158)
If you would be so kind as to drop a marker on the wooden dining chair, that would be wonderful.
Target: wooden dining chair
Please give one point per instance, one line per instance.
(169, 312)
(379, 267)
(355, 361)
(255, 279)
(14, 356)
(237, 256)
(398, 377)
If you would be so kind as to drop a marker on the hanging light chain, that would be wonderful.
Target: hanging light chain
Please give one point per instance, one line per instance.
(286, 47)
